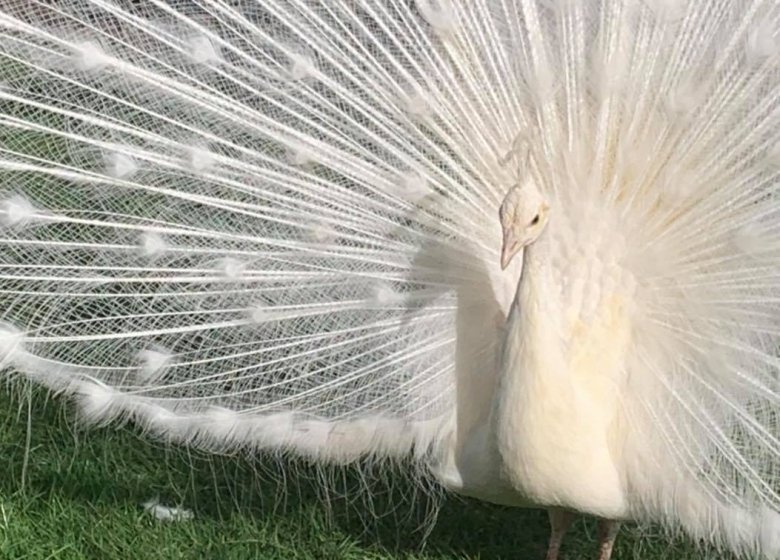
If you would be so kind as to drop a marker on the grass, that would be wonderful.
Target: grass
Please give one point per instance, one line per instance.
(69, 493)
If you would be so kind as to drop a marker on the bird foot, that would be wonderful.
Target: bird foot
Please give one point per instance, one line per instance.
(560, 521)
(608, 531)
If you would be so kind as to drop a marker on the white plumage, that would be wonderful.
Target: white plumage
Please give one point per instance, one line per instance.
(274, 226)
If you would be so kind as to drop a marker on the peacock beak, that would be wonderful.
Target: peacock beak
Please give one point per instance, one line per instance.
(509, 249)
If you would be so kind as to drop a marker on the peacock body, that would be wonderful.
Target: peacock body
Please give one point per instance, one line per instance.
(274, 226)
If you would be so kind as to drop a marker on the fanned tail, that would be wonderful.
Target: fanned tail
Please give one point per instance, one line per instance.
(750, 531)
(274, 225)
(251, 227)
(684, 213)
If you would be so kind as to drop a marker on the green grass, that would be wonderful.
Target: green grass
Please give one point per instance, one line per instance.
(73, 493)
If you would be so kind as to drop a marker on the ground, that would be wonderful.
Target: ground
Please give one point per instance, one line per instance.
(70, 493)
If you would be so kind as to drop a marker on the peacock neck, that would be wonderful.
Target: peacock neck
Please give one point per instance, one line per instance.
(554, 414)
(536, 311)
(533, 359)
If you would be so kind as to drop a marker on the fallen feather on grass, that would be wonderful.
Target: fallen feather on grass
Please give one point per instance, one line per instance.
(166, 513)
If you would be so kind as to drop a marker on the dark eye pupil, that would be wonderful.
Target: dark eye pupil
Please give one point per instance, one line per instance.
(535, 220)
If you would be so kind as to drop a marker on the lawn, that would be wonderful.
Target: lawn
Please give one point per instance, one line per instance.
(75, 493)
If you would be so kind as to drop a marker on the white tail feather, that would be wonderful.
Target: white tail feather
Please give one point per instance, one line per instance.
(274, 228)
(221, 429)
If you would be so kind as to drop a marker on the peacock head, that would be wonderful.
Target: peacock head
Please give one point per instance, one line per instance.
(523, 215)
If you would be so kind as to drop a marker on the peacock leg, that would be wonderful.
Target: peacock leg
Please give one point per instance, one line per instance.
(560, 521)
(608, 530)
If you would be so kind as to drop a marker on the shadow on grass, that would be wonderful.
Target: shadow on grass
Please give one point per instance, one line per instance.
(381, 513)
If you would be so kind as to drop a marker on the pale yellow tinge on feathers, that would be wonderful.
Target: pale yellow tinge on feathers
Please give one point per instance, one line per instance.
(597, 350)
(563, 415)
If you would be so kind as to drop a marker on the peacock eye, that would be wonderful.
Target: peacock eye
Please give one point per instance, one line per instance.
(535, 220)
